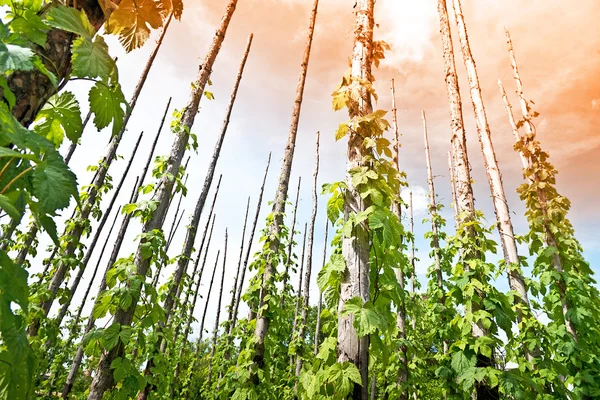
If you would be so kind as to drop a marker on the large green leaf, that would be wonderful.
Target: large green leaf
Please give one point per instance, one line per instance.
(53, 183)
(367, 318)
(60, 116)
(71, 20)
(106, 104)
(463, 360)
(29, 25)
(91, 58)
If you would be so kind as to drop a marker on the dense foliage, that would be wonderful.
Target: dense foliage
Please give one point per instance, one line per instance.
(445, 340)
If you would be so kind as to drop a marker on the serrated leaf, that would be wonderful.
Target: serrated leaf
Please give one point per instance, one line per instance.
(110, 336)
(71, 20)
(30, 26)
(133, 20)
(463, 360)
(91, 59)
(367, 318)
(60, 116)
(15, 58)
(106, 104)
(53, 184)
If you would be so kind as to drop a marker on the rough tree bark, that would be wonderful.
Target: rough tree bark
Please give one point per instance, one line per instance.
(355, 249)
(240, 286)
(311, 232)
(505, 227)
(32, 88)
(262, 322)
(288, 263)
(320, 305)
(78, 228)
(103, 379)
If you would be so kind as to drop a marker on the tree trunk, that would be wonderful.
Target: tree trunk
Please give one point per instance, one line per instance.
(103, 380)
(239, 267)
(238, 296)
(320, 305)
(176, 217)
(505, 228)
(113, 258)
(197, 262)
(311, 232)
(188, 323)
(78, 228)
(433, 211)
(216, 329)
(355, 249)
(32, 88)
(451, 169)
(299, 291)
(412, 254)
(288, 262)
(465, 203)
(90, 250)
(210, 285)
(262, 321)
(550, 239)
(401, 312)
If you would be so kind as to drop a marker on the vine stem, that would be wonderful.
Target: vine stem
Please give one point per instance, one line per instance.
(16, 178)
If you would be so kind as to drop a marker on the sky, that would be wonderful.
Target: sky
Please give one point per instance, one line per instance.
(557, 47)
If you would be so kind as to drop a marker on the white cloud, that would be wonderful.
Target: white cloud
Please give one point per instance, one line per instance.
(420, 199)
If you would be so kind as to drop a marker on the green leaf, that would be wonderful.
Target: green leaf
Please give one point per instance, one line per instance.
(15, 58)
(463, 360)
(105, 103)
(91, 59)
(110, 336)
(7, 93)
(13, 283)
(29, 25)
(209, 95)
(6, 152)
(367, 319)
(71, 20)
(50, 227)
(60, 116)
(9, 208)
(53, 184)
